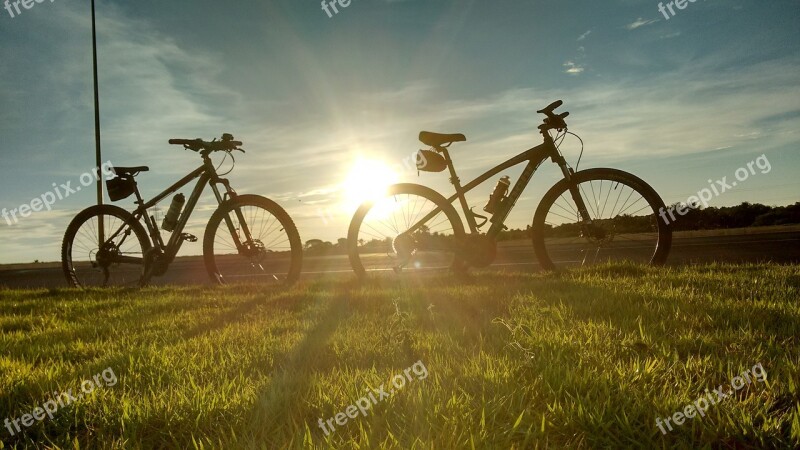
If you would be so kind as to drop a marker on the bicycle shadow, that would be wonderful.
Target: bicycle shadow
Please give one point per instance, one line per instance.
(293, 375)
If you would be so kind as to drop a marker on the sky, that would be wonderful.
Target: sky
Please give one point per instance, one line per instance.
(677, 101)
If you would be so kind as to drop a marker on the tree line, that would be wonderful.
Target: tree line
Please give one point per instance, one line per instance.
(743, 215)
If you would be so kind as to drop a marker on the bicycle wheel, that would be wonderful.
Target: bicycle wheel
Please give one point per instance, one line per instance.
(119, 261)
(252, 239)
(380, 238)
(625, 224)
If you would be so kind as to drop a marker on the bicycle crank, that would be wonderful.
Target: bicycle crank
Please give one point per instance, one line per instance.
(188, 237)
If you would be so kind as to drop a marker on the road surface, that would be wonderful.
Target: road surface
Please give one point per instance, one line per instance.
(778, 247)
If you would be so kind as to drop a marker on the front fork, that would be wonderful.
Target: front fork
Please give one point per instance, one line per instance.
(588, 227)
(569, 175)
(230, 194)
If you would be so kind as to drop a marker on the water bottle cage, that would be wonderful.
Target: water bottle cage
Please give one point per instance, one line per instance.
(478, 216)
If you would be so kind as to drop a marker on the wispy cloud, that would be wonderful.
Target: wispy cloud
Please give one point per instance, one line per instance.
(640, 23)
(572, 68)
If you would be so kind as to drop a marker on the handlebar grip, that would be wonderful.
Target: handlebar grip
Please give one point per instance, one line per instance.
(549, 109)
(183, 141)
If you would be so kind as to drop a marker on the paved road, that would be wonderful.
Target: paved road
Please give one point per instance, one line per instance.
(779, 247)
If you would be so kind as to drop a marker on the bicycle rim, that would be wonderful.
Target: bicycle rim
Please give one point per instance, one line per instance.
(625, 225)
(381, 238)
(262, 248)
(88, 263)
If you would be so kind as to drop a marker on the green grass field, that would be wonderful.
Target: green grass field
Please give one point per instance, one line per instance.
(584, 359)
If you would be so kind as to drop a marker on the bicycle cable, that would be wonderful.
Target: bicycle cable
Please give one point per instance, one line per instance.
(581, 154)
(233, 163)
(558, 140)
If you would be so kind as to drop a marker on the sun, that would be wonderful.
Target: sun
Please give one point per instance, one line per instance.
(367, 180)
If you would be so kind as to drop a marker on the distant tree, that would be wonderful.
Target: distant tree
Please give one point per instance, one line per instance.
(313, 243)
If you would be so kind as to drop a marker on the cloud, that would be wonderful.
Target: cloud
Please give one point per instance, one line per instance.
(572, 68)
(694, 110)
(584, 35)
(640, 23)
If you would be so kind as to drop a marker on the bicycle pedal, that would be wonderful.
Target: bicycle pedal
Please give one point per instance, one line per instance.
(188, 237)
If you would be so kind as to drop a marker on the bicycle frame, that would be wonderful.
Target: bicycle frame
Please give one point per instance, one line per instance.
(535, 157)
(207, 175)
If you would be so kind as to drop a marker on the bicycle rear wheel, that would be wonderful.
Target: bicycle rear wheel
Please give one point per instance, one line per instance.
(625, 222)
(119, 261)
(251, 239)
(381, 238)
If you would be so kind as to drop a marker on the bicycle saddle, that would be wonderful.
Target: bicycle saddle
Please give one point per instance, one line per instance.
(437, 139)
(131, 171)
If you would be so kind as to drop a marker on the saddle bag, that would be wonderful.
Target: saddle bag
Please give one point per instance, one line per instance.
(430, 161)
(120, 188)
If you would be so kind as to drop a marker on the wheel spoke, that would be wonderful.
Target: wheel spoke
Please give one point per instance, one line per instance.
(624, 234)
(88, 264)
(381, 242)
(268, 256)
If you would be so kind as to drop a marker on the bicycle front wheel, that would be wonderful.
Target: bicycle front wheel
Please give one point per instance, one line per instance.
(625, 223)
(251, 239)
(412, 228)
(117, 260)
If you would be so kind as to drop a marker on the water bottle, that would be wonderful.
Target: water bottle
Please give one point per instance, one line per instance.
(498, 195)
(171, 219)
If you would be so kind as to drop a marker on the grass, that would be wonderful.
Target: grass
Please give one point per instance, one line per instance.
(582, 359)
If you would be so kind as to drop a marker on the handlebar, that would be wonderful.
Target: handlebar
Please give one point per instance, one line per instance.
(553, 121)
(185, 141)
(226, 144)
(551, 107)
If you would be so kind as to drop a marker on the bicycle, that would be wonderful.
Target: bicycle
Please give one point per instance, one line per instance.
(415, 228)
(248, 237)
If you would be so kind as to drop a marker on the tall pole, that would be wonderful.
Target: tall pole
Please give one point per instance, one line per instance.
(98, 158)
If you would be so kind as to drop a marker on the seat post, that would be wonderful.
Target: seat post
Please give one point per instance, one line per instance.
(139, 199)
(457, 183)
(454, 180)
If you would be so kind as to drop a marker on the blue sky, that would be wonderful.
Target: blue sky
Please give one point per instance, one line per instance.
(676, 101)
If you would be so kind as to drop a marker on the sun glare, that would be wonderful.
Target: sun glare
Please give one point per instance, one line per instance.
(367, 180)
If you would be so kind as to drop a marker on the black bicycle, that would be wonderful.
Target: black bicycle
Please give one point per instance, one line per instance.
(248, 238)
(589, 216)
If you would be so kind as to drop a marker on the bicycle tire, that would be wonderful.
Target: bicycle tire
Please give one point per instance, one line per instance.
(296, 250)
(67, 244)
(664, 243)
(395, 190)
